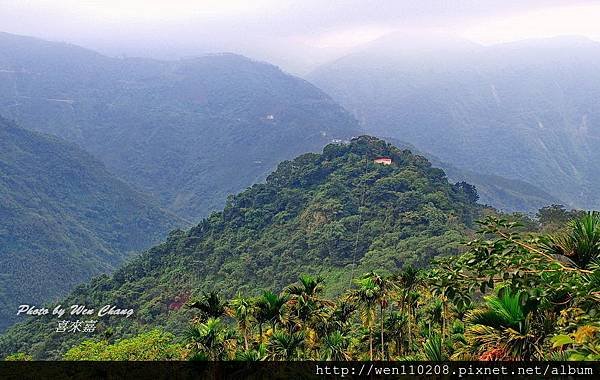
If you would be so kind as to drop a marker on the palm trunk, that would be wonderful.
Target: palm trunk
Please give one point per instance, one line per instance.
(371, 342)
(409, 329)
(445, 319)
(443, 322)
(245, 338)
(381, 323)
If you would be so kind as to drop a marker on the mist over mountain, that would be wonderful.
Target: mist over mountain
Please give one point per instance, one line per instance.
(284, 180)
(189, 132)
(63, 219)
(524, 110)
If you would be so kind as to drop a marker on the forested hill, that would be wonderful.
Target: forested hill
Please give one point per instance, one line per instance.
(63, 219)
(336, 214)
(522, 110)
(189, 132)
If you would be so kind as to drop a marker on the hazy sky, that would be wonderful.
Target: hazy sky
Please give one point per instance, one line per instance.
(294, 34)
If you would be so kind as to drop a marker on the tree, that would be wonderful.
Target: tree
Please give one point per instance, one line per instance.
(258, 354)
(469, 190)
(270, 308)
(19, 357)
(384, 286)
(395, 328)
(555, 217)
(210, 305)
(285, 346)
(242, 309)
(367, 296)
(152, 345)
(304, 299)
(580, 242)
(433, 348)
(211, 340)
(408, 280)
(335, 347)
(582, 344)
(501, 329)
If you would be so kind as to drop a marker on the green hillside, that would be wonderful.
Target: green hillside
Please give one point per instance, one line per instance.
(336, 214)
(63, 219)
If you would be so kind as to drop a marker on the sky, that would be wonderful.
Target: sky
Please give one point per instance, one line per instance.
(298, 35)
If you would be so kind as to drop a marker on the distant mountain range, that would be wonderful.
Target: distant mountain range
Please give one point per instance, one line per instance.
(188, 132)
(509, 195)
(63, 219)
(526, 110)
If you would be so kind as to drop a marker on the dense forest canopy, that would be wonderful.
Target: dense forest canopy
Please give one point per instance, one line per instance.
(509, 296)
(422, 193)
(336, 214)
(508, 195)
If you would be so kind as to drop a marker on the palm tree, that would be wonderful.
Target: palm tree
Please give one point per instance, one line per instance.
(580, 242)
(437, 315)
(342, 314)
(305, 302)
(242, 309)
(408, 280)
(501, 329)
(258, 354)
(433, 348)
(285, 346)
(270, 308)
(335, 347)
(384, 286)
(367, 297)
(395, 327)
(445, 288)
(210, 305)
(307, 285)
(211, 340)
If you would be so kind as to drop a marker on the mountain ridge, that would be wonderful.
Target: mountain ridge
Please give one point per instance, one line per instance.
(504, 194)
(208, 125)
(64, 217)
(188, 132)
